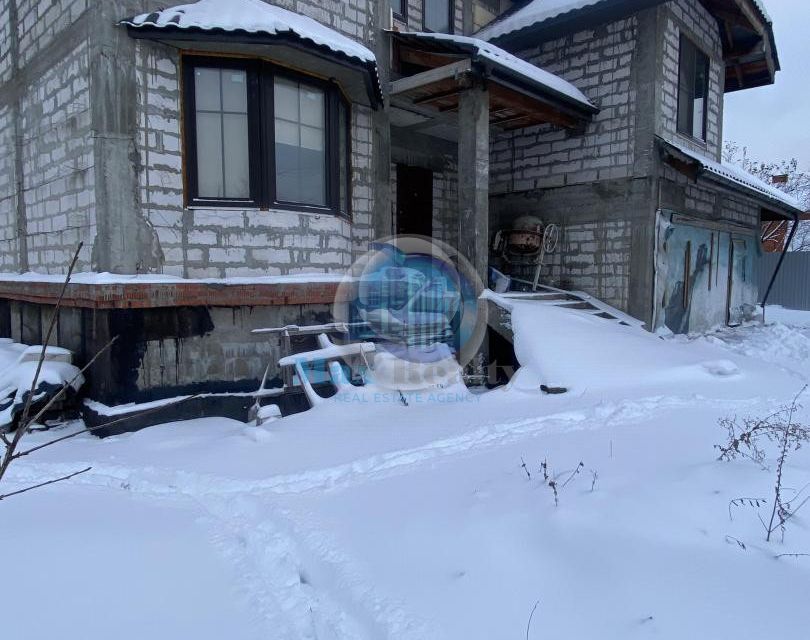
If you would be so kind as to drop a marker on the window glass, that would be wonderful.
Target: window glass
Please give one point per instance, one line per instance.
(437, 15)
(300, 152)
(699, 102)
(222, 133)
(300, 159)
(693, 90)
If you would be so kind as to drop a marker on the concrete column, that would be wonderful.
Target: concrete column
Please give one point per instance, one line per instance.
(473, 178)
(16, 116)
(382, 222)
(126, 243)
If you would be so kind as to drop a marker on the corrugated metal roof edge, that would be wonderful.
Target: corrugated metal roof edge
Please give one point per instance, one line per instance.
(153, 32)
(730, 180)
(600, 11)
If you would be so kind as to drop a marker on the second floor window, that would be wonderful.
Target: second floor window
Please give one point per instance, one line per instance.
(260, 136)
(438, 15)
(693, 90)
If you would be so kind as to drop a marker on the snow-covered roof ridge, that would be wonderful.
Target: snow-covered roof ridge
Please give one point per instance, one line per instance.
(497, 56)
(533, 13)
(737, 174)
(251, 16)
(539, 11)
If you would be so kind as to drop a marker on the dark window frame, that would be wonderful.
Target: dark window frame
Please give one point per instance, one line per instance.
(690, 59)
(451, 7)
(261, 130)
(401, 10)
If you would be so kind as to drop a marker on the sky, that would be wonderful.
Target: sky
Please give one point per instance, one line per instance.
(774, 121)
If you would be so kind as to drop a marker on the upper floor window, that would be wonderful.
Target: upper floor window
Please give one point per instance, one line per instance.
(693, 90)
(438, 15)
(259, 136)
(400, 9)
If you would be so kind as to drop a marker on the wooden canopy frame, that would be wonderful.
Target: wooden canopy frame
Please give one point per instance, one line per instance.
(433, 77)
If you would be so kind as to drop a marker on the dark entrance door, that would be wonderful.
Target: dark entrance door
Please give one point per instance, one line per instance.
(414, 201)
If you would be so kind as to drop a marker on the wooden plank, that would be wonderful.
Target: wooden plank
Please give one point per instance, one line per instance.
(419, 80)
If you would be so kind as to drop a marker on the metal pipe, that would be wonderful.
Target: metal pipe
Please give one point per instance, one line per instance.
(781, 260)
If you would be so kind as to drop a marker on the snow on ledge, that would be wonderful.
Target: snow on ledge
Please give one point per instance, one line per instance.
(737, 175)
(251, 16)
(533, 13)
(93, 278)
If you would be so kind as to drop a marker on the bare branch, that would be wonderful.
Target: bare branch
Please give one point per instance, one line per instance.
(58, 395)
(531, 615)
(44, 484)
(46, 342)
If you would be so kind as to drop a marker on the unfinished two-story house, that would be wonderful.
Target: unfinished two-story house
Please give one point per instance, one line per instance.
(224, 162)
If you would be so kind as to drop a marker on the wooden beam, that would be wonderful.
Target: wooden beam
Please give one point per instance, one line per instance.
(426, 78)
(427, 58)
(531, 106)
(438, 96)
(499, 122)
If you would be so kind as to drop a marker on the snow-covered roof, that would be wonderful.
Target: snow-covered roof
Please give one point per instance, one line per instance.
(251, 16)
(505, 61)
(738, 175)
(533, 13)
(538, 11)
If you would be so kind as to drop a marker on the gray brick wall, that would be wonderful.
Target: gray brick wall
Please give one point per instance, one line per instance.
(58, 163)
(690, 17)
(595, 257)
(229, 242)
(708, 200)
(5, 41)
(350, 17)
(40, 21)
(599, 63)
(8, 214)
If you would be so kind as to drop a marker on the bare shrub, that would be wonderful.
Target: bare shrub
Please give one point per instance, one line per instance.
(748, 438)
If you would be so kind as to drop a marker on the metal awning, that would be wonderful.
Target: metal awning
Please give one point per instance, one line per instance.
(432, 70)
(777, 204)
(746, 30)
(253, 27)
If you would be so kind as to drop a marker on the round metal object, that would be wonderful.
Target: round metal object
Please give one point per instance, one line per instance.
(551, 238)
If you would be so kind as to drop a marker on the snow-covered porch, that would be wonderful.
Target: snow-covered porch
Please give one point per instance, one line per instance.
(449, 96)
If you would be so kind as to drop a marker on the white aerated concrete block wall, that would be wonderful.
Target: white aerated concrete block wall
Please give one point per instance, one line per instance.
(198, 243)
(690, 18)
(58, 164)
(599, 63)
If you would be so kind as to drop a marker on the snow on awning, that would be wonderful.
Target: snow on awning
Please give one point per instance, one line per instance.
(736, 175)
(538, 12)
(503, 65)
(247, 21)
(749, 46)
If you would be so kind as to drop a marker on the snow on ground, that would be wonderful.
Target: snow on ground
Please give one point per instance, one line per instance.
(376, 520)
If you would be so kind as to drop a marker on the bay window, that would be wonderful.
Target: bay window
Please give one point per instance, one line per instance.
(259, 136)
